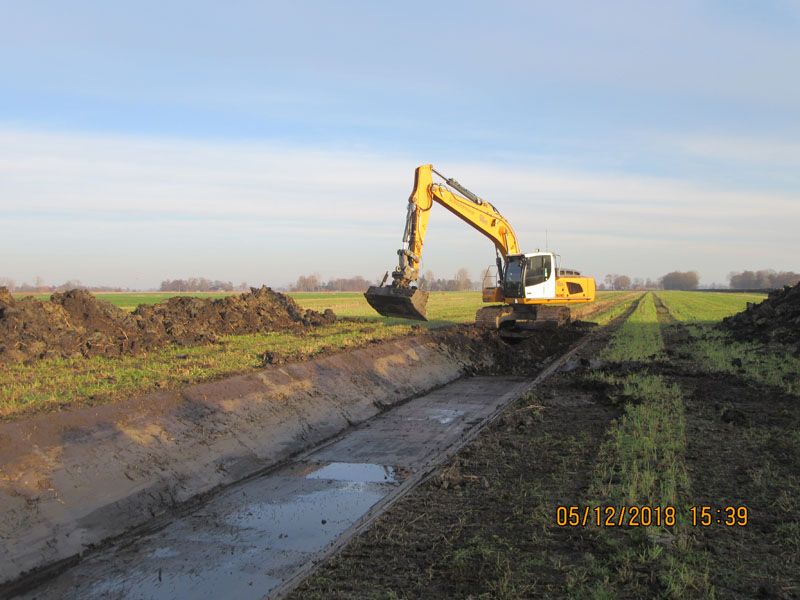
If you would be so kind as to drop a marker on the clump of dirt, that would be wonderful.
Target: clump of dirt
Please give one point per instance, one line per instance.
(776, 319)
(76, 323)
(493, 356)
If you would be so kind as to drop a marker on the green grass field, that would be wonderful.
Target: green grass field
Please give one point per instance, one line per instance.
(705, 307)
(444, 308)
(678, 416)
(642, 462)
(721, 354)
(54, 383)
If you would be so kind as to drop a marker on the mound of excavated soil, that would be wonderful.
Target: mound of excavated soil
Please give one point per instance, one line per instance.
(76, 323)
(776, 319)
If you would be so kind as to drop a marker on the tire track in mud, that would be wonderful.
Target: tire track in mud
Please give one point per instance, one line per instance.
(742, 450)
(485, 522)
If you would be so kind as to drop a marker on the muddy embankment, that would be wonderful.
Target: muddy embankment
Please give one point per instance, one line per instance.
(70, 480)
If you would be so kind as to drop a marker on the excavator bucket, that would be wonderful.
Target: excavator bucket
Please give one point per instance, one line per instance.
(406, 303)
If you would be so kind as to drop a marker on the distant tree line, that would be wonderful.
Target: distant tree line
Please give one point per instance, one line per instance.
(676, 280)
(623, 282)
(681, 280)
(460, 282)
(314, 283)
(766, 278)
(199, 284)
(40, 287)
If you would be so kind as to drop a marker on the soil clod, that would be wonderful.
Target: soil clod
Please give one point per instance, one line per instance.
(776, 319)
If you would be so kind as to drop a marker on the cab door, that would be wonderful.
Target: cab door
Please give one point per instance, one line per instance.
(540, 277)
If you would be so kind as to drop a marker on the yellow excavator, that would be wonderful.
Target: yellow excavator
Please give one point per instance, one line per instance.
(532, 287)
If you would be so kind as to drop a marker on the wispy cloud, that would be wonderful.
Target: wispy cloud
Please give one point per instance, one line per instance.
(340, 212)
(750, 151)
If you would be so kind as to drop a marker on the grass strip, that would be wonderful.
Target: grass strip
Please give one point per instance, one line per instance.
(60, 382)
(639, 338)
(714, 351)
(642, 463)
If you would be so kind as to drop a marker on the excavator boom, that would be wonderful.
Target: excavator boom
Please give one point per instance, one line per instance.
(401, 298)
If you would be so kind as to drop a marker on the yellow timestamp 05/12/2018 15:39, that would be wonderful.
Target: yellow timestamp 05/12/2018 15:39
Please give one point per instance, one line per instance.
(650, 516)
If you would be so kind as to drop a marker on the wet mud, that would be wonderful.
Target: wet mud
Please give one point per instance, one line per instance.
(484, 526)
(474, 523)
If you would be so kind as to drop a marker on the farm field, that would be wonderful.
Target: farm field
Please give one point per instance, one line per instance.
(444, 307)
(60, 382)
(662, 410)
(659, 461)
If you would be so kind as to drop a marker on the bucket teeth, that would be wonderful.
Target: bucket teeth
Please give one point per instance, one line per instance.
(405, 303)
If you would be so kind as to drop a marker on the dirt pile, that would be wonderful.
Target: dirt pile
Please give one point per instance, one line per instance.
(186, 320)
(776, 319)
(76, 323)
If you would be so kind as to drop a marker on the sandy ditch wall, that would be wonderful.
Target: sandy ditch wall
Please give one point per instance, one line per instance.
(70, 480)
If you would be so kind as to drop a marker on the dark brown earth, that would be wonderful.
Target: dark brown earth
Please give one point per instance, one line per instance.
(119, 464)
(742, 449)
(76, 323)
(484, 525)
(776, 319)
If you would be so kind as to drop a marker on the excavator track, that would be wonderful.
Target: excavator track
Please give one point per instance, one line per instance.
(516, 323)
(490, 317)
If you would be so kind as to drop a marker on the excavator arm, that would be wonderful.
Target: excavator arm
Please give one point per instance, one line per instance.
(401, 298)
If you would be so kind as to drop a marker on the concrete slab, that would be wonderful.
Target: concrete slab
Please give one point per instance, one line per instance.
(248, 540)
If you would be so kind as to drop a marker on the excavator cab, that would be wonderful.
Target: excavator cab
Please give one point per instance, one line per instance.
(530, 276)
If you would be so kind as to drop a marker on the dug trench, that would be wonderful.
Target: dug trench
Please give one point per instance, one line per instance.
(73, 482)
(485, 525)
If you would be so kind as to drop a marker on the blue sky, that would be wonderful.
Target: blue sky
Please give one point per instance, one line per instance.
(256, 141)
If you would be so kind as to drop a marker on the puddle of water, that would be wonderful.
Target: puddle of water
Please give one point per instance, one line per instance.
(357, 472)
(164, 552)
(243, 549)
(442, 415)
(307, 521)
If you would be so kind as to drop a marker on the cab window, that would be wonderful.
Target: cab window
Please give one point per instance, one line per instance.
(539, 270)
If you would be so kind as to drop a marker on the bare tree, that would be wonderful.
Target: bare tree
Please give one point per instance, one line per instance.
(72, 284)
(681, 280)
(308, 283)
(426, 281)
(622, 282)
(765, 278)
(463, 282)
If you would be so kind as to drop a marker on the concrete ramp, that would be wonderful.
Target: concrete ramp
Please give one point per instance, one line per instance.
(259, 537)
(73, 479)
